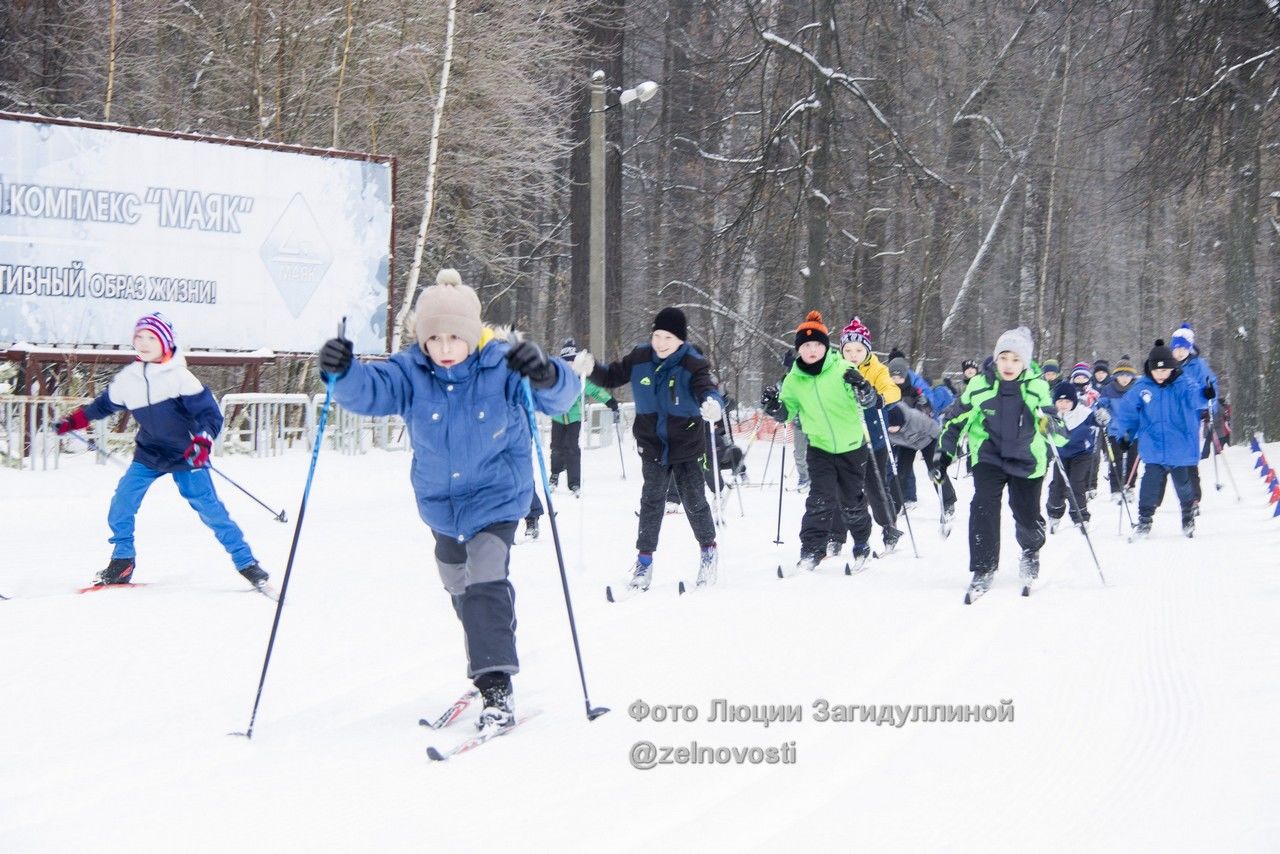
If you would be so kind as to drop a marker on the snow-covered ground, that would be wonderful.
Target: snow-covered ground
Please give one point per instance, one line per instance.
(1144, 711)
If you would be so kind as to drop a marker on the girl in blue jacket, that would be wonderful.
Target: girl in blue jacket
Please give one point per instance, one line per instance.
(460, 393)
(1196, 367)
(178, 419)
(1162, 414)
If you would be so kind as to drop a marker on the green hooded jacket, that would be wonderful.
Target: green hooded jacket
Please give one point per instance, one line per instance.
(829, 413)
(1009, 427)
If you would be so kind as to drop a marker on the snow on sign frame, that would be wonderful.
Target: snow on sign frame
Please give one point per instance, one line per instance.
(243, 245)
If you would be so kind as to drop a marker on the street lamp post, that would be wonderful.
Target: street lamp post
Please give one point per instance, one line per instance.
(596, 278)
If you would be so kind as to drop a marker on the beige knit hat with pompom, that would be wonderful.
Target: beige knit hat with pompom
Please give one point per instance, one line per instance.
(448, 308)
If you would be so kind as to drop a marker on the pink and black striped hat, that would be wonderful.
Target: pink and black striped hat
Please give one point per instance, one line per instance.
(157, 324)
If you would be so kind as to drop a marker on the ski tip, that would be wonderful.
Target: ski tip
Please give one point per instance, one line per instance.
(1026, 590)
(968, 599)
(608, 593)
(436, 755)
(92, 587)
(781, 574)
(681, 588)
(848, 570)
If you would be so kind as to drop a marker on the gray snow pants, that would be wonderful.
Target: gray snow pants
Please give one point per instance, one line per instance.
(475, 574)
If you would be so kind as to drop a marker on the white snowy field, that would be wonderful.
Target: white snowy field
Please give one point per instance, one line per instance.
(1144, 710)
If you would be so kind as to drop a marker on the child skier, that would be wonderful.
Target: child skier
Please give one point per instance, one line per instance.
(1081, 424)
(461, 393)
(855, 346)
(912, 432)
(1006, 414)
(1162, 414)
(826, 391)
(1051, 371)
(1196, 368)
(178, 420)
(1125, 453)
(565, 429)
(674, 392)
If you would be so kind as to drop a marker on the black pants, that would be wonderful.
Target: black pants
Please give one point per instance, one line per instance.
(836, 484)
(1126, 454)
(1078, 470)
(653, 502)
(730, 461)
(565, 453)
(989, 482)
(945, 487)
(906, 459)
(882, 508)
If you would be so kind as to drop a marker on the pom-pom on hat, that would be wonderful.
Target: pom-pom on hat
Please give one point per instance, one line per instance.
(158, 325)
(1125, 366)
(1015, 341)
(448, 308)
(856, 333)
(1161, 356)
(672, 320)
(1183, 336)
(812, 329)
(1081, 369)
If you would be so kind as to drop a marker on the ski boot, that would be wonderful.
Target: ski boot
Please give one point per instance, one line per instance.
(981, 584)
(673, 508)
(833, 548)
(575, 491)
(1188, 525)
(498, 711)
(891, 537)
(531, 528)
(861, 554)
(708, 566)
(118, 571)
(255, 575)
(1029, 565)
(554, 480)
(641, 575)
(809, 562)
(1142, 529)
(1053, 524)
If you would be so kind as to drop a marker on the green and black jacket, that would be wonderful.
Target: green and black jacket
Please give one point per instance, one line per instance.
(1007, 423)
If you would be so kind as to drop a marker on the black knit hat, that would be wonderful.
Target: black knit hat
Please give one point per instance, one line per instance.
(1161, 356)
(1102, 365)
(813, 329)
(672, 320)
(1066, 390)
(967, 364)
(895, 417)
(568, 349)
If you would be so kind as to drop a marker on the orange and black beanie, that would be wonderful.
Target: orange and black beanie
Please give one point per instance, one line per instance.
(812, 329)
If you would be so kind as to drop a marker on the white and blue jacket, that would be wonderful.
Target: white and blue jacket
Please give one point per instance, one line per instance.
(170, 406)
(472, 449)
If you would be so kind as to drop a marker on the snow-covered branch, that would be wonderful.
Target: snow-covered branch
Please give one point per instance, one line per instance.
(1226, 73)
(971, 275)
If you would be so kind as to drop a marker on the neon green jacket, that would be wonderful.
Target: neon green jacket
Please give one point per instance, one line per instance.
(829, 413)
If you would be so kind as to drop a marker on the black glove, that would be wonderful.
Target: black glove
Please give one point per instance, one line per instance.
(941, 460)
(773, 407)
(527, 359)
(612, 404)
(1208, 392)
(863, 391)
(335, 358)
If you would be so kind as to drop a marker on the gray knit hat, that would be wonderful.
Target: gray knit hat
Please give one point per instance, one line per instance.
(1015, 341)
(448, 308)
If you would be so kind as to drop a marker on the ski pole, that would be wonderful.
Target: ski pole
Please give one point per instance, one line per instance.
(592, 713)
(293, 547)
(782, 474)
(102, 452)
(1207, 437)
(875, 469)
(279, 515)
(618, 432)
(773, 437)
(1217, 450)
(893, 464)
(716, 480)
(1115, 474)
(1075, 505)
(737, 467)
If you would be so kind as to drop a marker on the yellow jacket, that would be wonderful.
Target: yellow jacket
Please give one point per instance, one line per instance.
(878, 375)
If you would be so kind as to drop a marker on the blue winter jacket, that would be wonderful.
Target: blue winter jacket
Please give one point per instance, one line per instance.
(169, 404)
(669, 394)
(1110, 393)
(940, 397)
(1196, 367)
(1165, 420)
(472, 449)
